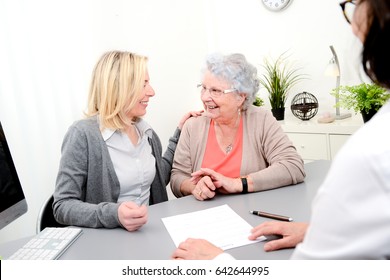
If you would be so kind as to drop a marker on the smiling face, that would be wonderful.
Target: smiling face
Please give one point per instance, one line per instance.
(225, 107)
(139, 108)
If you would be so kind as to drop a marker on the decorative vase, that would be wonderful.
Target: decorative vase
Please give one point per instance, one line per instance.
(367, 116)
(278, 113)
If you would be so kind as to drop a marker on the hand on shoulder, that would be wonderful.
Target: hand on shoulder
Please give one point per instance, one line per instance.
(189, 115)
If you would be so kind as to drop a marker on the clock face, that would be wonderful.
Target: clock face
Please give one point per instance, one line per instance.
(276, 5)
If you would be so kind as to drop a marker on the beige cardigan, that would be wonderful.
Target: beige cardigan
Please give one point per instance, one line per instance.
(269, 157)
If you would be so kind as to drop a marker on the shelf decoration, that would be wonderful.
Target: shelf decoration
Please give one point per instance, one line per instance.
(304, 106)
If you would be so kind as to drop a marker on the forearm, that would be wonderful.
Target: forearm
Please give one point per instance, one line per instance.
(78, 213)
(172, 143)
(277, 175)
(237, 185)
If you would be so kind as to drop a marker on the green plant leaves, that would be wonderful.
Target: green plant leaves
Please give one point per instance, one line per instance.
(361, 97)
(258, 101)
(278, 79)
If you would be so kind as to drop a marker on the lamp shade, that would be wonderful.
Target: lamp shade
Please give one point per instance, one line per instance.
(332, 69)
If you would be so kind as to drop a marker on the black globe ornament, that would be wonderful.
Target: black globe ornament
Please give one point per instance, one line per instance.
(304, 106)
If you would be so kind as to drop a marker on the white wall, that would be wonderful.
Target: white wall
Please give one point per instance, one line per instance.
(48, 49)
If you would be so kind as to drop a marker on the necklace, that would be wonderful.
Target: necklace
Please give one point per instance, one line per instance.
(229, 147)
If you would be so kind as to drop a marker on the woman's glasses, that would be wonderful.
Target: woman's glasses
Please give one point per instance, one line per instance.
(213, 91)
(348, 8)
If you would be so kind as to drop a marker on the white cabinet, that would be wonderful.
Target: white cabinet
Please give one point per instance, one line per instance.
(315, 141)
(336, 141)
(310, 146)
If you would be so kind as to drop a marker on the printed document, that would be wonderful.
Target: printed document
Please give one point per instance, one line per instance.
(219, 225)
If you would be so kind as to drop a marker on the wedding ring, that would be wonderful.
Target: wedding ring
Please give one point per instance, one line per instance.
(200, 193)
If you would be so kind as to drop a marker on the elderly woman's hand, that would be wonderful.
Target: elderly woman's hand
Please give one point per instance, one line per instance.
(222, 183)
(204, 188)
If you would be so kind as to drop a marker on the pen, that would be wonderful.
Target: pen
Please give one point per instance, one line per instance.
(272, 216)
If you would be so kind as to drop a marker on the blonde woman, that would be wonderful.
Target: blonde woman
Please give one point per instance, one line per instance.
(112, 165)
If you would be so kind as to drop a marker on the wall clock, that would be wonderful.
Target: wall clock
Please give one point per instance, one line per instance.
(276, 5)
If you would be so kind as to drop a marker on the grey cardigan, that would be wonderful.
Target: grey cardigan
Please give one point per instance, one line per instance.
(87, 187)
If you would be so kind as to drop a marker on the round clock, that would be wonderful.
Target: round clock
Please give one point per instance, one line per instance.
(276, 5)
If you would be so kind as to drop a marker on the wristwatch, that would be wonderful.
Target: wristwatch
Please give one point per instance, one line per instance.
(244, 182)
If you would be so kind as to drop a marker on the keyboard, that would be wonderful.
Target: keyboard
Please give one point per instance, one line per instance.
(49, 244)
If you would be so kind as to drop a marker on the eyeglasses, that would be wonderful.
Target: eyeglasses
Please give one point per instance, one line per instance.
(348, 8)
(214, 92)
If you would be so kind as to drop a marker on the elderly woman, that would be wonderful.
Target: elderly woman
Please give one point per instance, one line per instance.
(234, 147)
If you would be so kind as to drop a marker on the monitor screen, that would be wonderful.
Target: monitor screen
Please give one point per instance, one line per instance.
(12, 201)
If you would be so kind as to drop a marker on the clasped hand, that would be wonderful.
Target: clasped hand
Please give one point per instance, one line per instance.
(131, 216)
(207, 182)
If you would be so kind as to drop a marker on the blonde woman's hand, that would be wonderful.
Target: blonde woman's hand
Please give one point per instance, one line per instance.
(131, 216)
(189, 115)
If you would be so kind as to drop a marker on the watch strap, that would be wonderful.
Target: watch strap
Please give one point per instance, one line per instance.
(244, 182)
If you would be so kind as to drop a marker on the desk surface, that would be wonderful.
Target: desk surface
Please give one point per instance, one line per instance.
(153, 241)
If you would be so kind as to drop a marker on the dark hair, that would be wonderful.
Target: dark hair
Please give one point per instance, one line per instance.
(376, 55)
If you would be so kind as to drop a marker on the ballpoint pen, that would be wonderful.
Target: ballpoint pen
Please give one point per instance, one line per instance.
(272, 216)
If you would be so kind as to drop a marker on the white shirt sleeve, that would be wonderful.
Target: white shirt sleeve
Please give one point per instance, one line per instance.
(224, 256)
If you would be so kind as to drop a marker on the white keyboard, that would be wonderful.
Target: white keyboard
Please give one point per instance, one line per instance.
(49, 244)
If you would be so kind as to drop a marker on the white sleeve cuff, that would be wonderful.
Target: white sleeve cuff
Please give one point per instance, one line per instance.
(224, 256)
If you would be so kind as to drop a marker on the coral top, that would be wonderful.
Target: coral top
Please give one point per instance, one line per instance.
(214, 158)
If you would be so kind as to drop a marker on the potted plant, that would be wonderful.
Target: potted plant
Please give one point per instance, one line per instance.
(364, 98)
(278, 79)
(258, 101)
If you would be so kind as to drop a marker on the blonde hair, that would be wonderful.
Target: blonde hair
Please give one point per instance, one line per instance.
(117, 82)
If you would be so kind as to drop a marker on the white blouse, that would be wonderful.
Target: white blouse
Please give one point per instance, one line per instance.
(134, 164)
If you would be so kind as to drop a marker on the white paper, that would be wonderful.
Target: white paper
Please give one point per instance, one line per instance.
(219, 225)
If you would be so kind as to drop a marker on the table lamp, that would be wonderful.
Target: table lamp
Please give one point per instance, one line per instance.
(333, 70)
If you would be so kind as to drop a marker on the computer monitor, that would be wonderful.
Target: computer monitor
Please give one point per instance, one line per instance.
(12, 200)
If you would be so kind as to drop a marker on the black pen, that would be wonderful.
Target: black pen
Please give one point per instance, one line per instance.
(272, 216)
